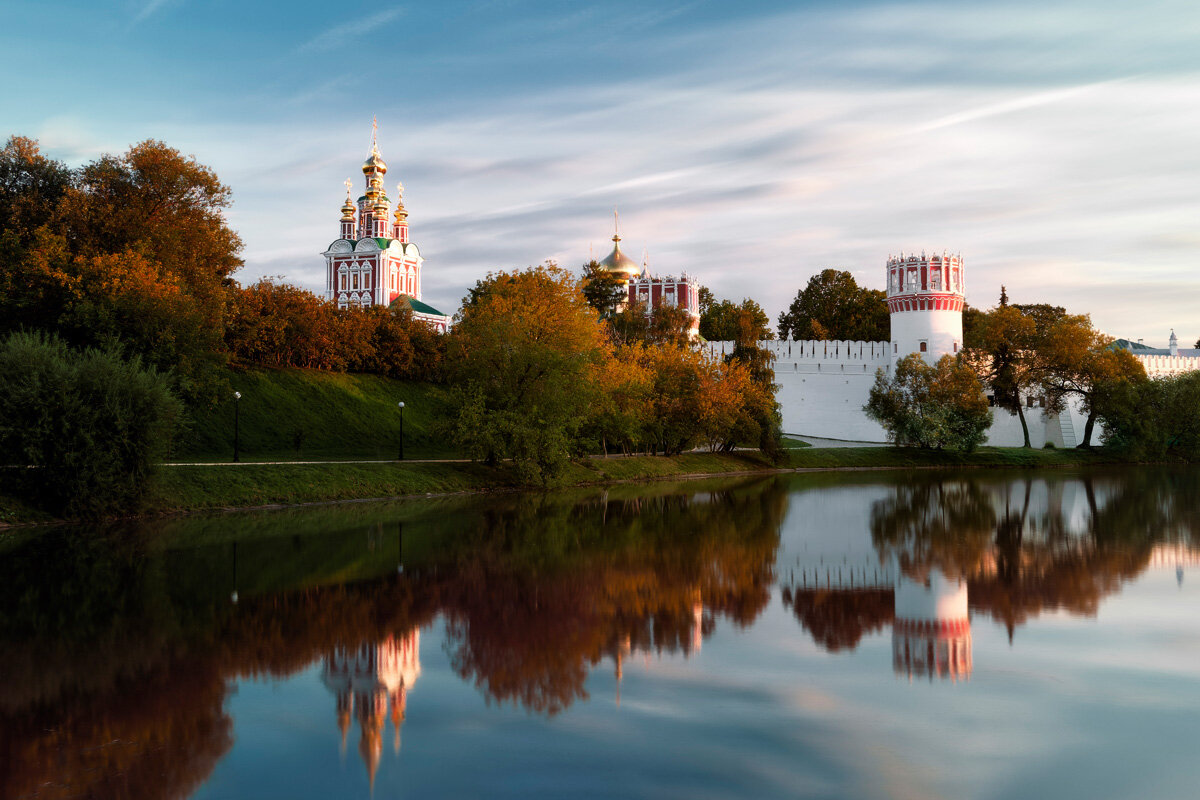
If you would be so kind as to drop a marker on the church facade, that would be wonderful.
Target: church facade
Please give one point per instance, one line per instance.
(373, 262)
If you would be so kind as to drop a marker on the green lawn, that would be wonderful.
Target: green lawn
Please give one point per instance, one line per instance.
(290, 415)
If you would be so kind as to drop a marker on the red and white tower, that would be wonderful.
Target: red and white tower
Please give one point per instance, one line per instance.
(925, 298)
(372, 262)
(931, 634)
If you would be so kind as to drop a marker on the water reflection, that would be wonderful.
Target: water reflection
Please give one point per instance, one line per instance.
(120, 648)
(371, 683)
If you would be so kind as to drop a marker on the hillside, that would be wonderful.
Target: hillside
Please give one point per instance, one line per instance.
(294, 414)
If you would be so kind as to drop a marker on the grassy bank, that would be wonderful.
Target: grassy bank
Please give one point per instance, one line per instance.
(193, 488)
(296, 414)
(188, 488)
(908, 457)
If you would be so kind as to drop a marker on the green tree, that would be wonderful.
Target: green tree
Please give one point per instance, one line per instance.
(720, 321)
(834, 306)
(605, 290)
(1153, 420)
(940, 406)
(92, 425)
(520, 362)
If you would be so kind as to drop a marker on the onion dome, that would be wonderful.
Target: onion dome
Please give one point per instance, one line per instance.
(618, 262)
(374, 163)
(348, 209)
(401, 213)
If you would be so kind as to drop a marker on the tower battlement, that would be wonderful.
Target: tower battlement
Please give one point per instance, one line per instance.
(925, 282)
(925, 299)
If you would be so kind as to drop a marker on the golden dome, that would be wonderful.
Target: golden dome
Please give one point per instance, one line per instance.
(619, 262)
(374, 163)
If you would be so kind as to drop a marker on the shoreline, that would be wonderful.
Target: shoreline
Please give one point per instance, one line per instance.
(212, 488)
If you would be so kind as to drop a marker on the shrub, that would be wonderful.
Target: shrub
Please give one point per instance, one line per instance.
(940, 406)
(90, 425)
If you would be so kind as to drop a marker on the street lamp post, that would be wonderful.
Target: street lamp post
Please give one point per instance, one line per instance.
(237, 397)
(401, 456)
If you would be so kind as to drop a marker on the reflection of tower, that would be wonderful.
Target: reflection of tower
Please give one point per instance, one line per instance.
(931, 634)
(369, 681)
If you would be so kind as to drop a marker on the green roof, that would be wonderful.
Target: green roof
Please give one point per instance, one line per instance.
(418, 306)
(382, 241)
(1130, 345)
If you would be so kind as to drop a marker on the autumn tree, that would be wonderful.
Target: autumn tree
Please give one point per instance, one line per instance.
(940, 406)
(619, 414)
(834, 306)
(1005, 357)
(662, 325)
(131, 249)
(31, 186)
(162, 204)
(519, 362)
(1077, 361)
(760, 420)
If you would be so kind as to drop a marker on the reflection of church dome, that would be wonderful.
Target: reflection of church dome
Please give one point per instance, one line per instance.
(369, 681)
(619, 262)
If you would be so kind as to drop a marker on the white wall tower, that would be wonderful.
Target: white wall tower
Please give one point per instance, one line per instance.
(925, 298)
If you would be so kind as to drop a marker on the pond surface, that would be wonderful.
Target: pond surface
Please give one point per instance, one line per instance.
(996, 635)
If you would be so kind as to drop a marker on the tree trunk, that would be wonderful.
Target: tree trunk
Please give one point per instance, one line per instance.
(1024, 425)
(1087, 431)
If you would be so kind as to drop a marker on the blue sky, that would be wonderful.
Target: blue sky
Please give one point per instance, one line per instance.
(1055, 145)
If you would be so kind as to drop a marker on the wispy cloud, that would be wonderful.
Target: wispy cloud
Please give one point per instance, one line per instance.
(342, 35)
(149, 8)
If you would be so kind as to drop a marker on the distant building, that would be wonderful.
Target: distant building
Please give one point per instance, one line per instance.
(1163, 361)
(653, 291)
(372, 262)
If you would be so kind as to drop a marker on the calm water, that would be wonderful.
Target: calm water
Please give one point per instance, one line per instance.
(881, 635)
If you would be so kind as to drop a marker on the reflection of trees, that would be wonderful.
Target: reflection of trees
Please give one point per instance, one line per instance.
(839, 618)
(1018, 560)
(1020, 557)
(943, 523)
(116, 655)
(628, 574)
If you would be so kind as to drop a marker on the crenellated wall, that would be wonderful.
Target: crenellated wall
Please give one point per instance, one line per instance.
(823, 386)
(1158, 366)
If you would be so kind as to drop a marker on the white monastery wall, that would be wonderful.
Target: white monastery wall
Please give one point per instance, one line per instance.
(1161, 366)
(823, 385)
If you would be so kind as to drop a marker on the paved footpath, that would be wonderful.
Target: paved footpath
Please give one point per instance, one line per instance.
(452, 460)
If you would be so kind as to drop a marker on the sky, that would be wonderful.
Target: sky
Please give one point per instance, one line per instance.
(751, 145)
